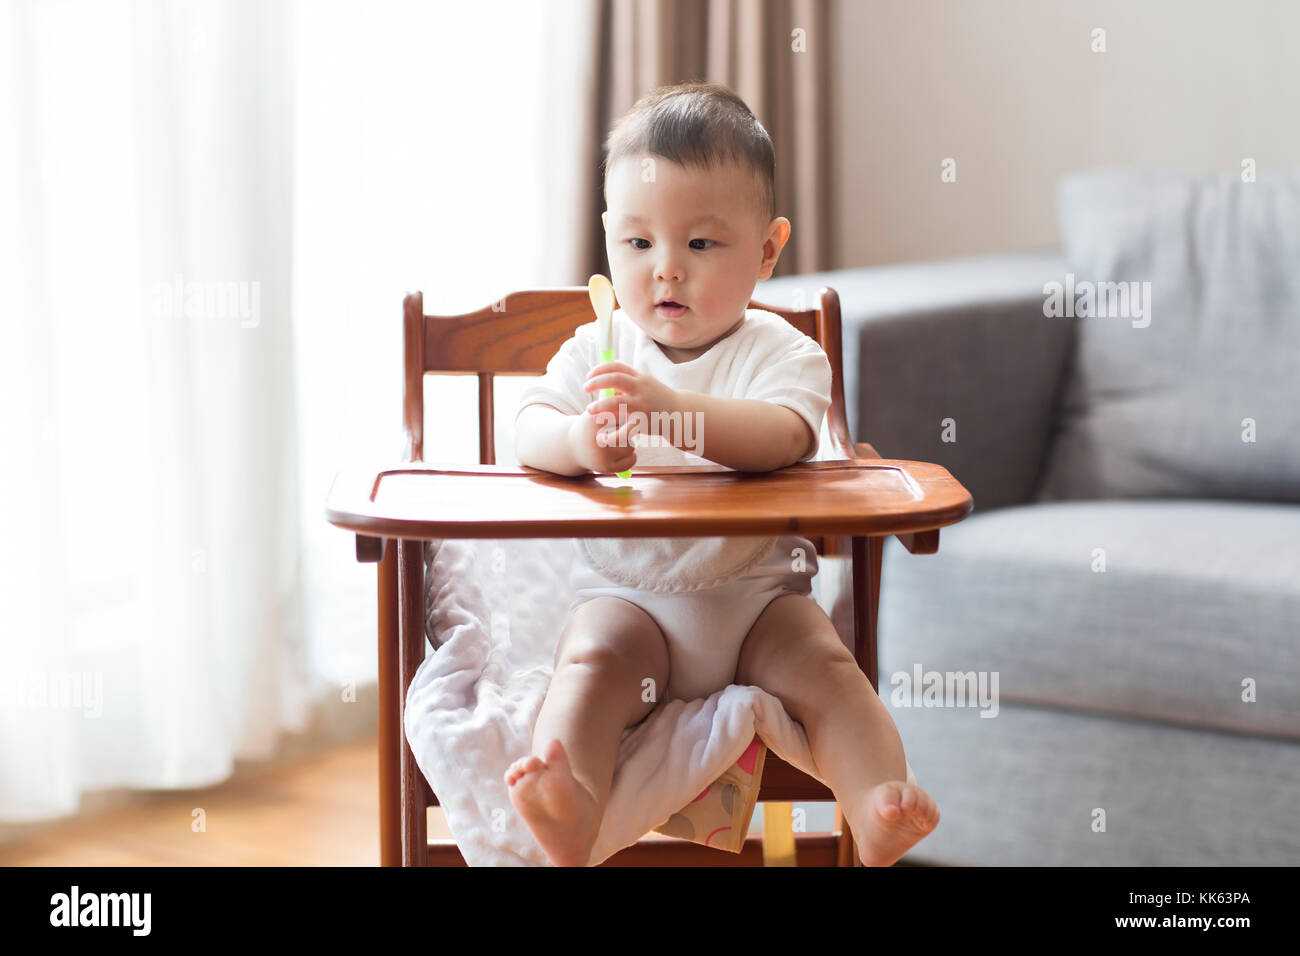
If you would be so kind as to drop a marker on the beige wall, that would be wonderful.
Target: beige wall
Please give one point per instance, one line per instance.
(1013, 92)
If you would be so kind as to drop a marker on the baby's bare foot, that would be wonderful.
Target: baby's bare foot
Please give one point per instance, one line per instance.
(893, 817)
(562, 813)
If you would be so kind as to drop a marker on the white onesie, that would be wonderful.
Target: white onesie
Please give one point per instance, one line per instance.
(705, 593)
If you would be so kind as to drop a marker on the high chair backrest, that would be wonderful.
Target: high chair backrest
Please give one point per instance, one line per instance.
(519, 334)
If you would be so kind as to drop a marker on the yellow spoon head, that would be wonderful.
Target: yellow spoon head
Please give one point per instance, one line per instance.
(602, 295)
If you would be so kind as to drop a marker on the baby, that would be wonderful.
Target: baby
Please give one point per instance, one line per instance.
(690, 227)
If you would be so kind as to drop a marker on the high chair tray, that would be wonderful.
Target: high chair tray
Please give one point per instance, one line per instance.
(419, 500)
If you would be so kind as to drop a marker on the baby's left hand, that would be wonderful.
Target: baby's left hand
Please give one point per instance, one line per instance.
(634, 391)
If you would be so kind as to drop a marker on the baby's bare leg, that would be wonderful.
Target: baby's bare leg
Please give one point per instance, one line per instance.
(794, 653)
(597, 690)
(605, 654)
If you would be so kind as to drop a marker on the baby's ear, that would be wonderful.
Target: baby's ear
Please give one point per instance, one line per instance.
(604, 220)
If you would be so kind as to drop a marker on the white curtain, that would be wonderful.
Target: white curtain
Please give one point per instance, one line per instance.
(420, 138)
(209, 214)
(150, 582)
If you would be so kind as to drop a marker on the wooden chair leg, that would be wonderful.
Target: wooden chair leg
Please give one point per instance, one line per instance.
(778, 834)
(410, 593)
(866, 598)
(390, 735)
(846, 848)
(876, 552)
(867, 555)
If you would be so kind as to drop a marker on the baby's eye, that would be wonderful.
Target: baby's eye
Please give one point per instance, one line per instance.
(700, 240)
(635, 241)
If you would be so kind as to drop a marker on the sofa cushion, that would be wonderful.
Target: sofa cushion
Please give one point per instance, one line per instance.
(1022, 790)
(1196, 392)
(1196, 603)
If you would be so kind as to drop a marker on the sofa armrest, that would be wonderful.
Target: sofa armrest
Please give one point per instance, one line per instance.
(952, 362)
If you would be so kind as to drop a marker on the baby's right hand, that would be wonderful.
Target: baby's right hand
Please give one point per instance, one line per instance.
(597, 458)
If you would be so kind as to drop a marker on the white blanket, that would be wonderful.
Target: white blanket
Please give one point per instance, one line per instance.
(495, 611)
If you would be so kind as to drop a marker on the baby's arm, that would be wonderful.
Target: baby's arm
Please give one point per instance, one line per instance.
(548, 439)
(746, 434)
(542, 440)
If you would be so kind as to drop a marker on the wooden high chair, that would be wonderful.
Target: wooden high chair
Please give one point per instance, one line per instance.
(518, 336)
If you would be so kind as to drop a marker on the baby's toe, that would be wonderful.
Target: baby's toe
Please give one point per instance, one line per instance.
(931, 809)
(888, 798)
(907, 802)
(522, 766)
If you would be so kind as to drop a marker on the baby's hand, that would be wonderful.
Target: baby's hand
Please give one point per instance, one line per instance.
(634, 391)
(591, 453)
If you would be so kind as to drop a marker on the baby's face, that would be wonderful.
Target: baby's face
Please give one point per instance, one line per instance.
(692, 236)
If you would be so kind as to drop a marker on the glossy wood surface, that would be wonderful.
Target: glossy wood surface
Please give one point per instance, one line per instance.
(391, 695)
(860, 497)
(411, 648)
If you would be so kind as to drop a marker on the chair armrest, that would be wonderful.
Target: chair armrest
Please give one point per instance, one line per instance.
(957, 350)
(920, 542)
(371, 550)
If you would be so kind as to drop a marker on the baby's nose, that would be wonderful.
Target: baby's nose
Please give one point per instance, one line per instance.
(669, 271)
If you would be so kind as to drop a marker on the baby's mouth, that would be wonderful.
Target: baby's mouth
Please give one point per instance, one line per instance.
(670, 308)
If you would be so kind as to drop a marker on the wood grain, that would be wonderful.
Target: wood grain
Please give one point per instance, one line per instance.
(436, 501)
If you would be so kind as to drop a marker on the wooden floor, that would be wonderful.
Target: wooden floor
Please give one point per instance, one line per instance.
(318, 811)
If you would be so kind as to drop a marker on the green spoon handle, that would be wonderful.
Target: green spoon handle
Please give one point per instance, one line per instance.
(607, 355)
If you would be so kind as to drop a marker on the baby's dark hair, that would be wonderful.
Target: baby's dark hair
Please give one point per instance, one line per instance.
(697, 124)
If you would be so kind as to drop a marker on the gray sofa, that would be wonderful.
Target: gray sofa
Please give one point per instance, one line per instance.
(1131, 570)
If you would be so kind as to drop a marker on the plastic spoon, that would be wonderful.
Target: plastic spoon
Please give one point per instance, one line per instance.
(602, 301)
